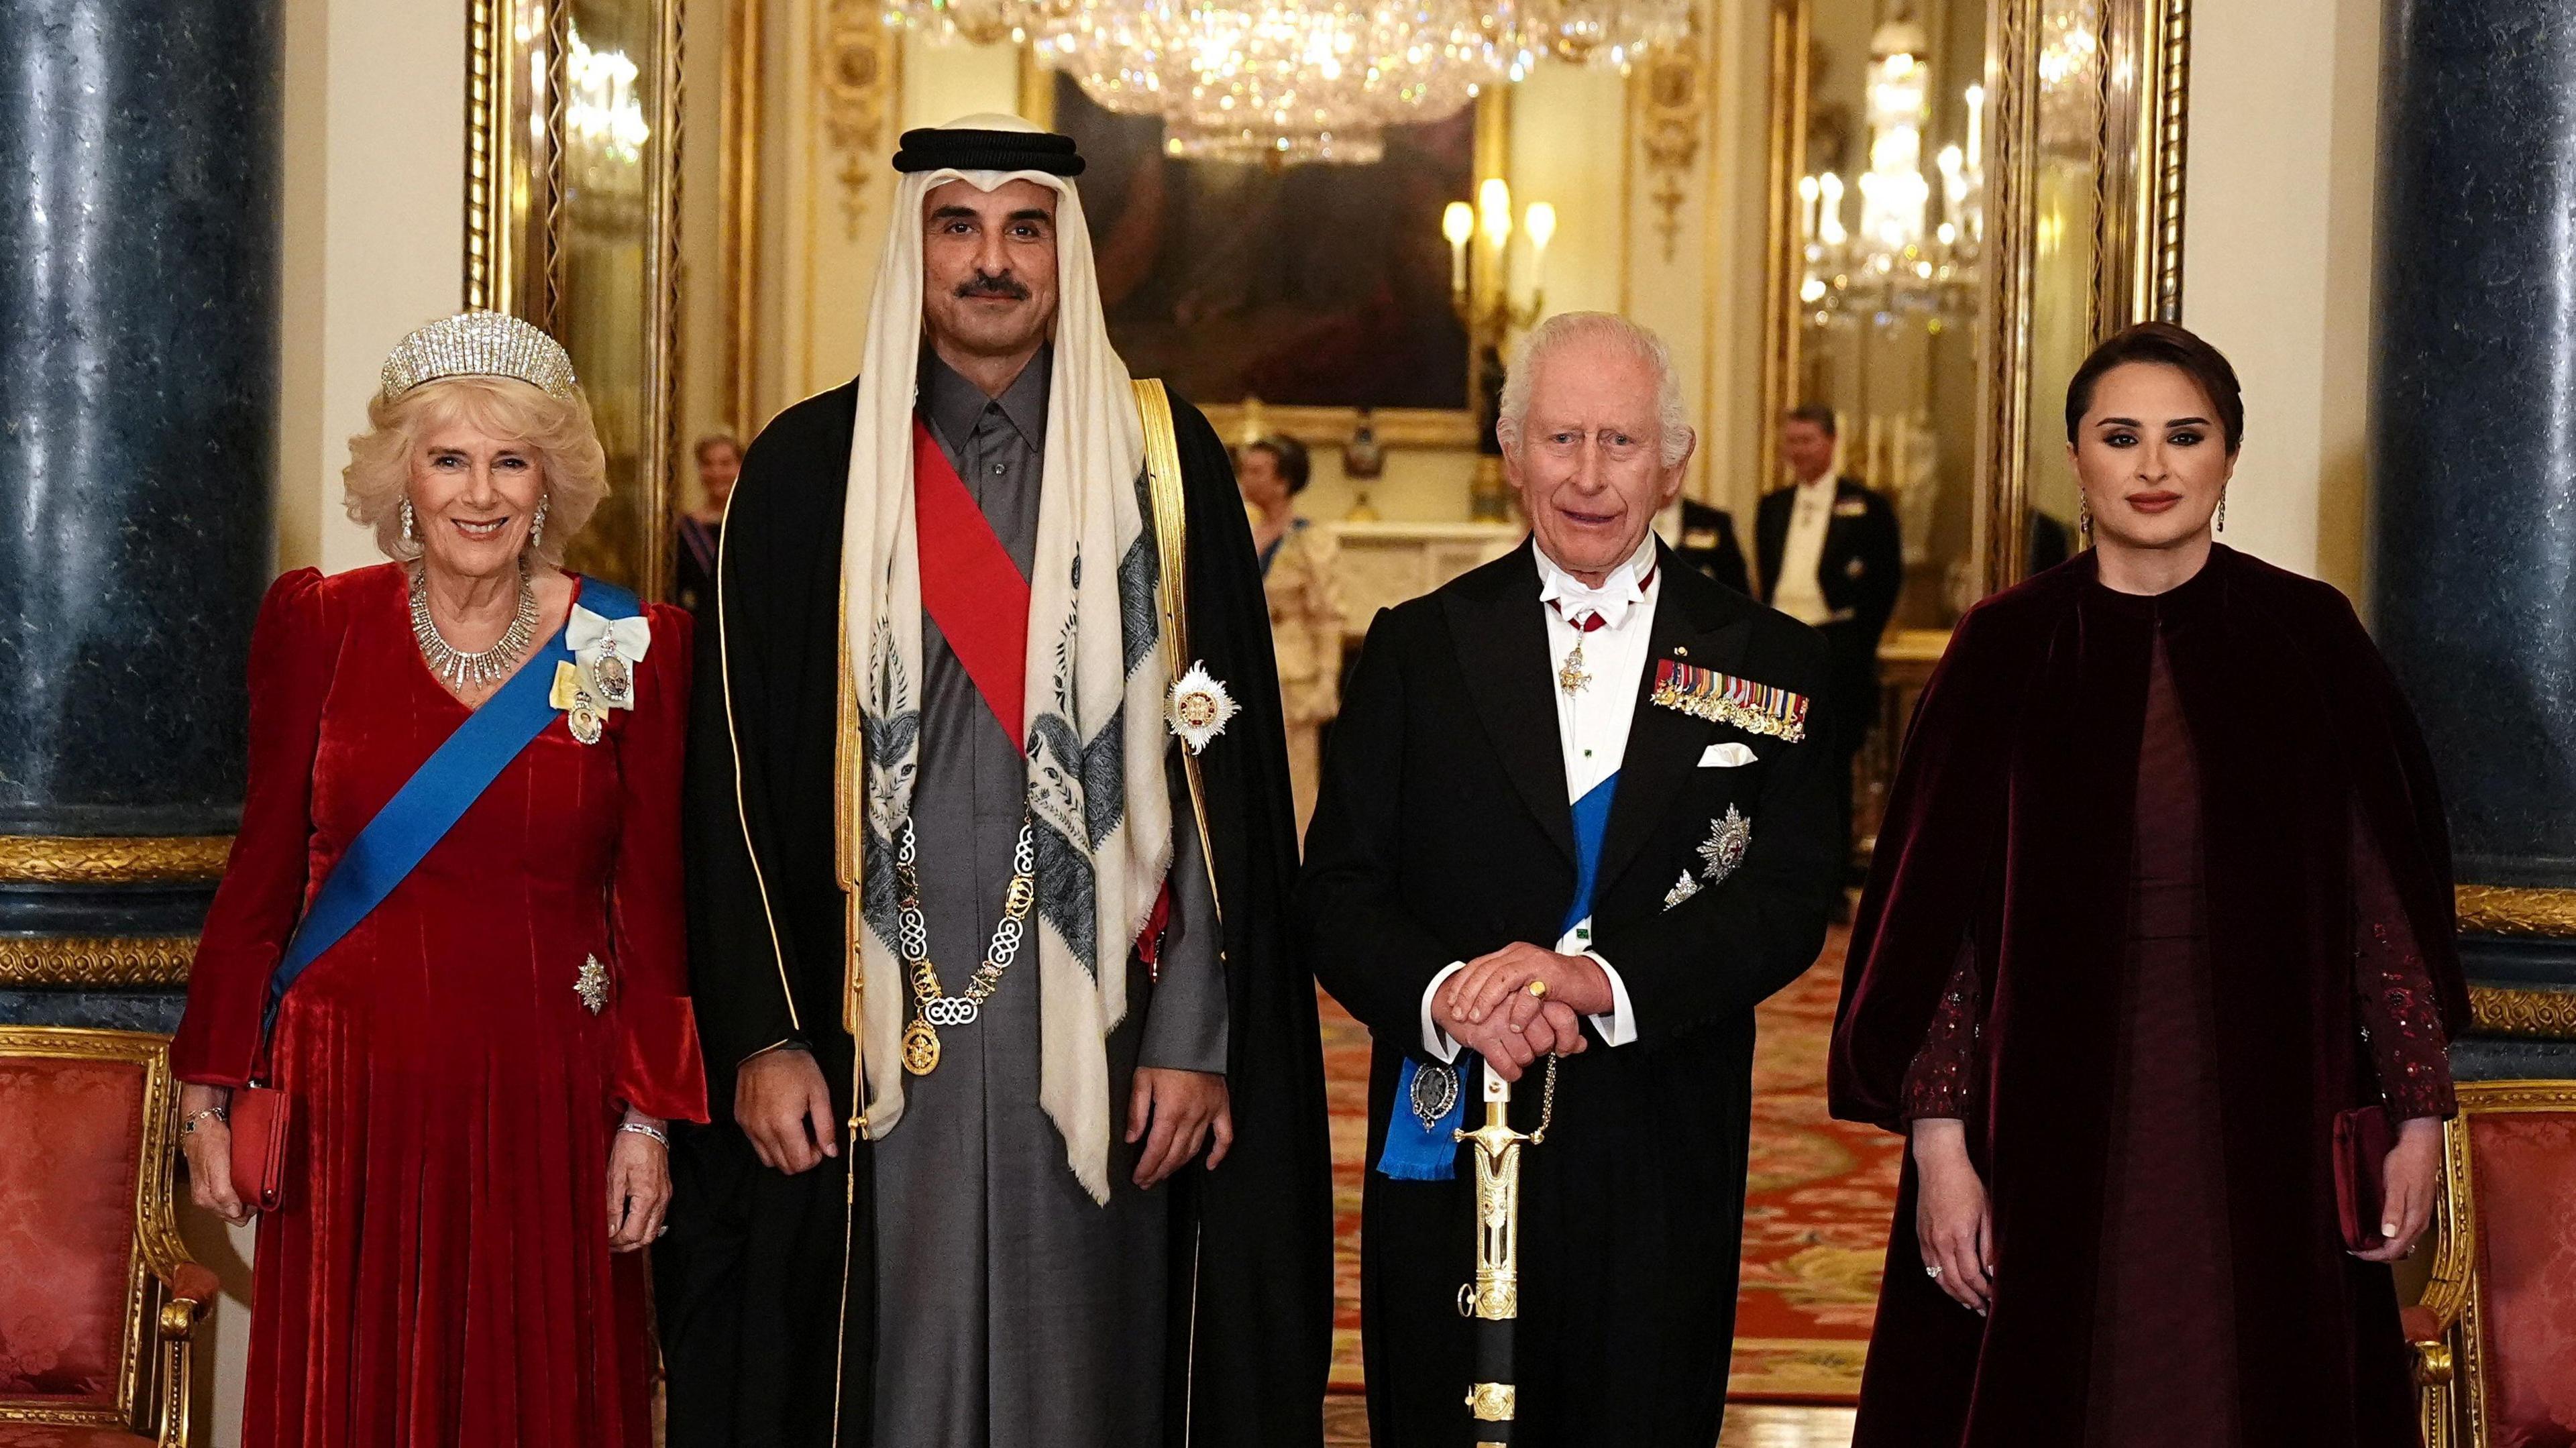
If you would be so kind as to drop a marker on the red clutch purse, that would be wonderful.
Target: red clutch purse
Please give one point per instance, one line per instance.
(258, 1118)
(2362, 1139)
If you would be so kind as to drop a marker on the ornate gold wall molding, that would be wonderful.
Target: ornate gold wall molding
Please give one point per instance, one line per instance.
(854, 66)
(2508, 910)
(111, 859)
(96, 961)
(2548, 1015)
(1672, 99)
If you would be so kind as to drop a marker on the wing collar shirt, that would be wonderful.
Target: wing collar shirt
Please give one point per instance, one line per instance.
(1799, 594)
(1591, 729)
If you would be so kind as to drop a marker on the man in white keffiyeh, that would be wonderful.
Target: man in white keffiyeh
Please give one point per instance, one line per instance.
(1043, 1008)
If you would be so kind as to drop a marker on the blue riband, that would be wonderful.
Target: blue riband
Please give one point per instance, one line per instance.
(436, 796)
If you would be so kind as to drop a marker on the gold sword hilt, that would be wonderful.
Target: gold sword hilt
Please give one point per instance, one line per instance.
(1495, 1294)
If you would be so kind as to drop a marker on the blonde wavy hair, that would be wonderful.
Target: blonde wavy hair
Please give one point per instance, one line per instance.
(571, 465)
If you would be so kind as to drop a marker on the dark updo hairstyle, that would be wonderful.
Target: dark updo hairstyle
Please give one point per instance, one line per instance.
(2164, 345)
(1290, 455)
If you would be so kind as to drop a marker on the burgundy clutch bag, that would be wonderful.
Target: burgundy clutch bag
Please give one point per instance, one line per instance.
(2362, 1139)
(258, 1117)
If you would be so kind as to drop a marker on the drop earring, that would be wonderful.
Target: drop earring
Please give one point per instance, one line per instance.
(2084, 518)
(2222, 512)
(411, 534)
(537, 529)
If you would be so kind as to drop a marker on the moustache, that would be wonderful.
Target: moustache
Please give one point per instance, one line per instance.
(1001, 286)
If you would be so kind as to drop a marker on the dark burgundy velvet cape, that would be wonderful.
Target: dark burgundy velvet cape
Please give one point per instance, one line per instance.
(2009, 834)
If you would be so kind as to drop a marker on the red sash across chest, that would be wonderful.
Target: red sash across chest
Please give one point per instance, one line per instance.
(969, 585)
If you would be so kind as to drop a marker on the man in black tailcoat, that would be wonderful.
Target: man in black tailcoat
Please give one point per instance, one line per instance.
(1578, 803)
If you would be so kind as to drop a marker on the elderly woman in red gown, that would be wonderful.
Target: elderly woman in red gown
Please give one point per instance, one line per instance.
(2164, 888)
(479, 1069)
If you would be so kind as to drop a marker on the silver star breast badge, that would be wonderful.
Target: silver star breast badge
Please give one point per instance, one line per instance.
(1724, 848)
(592, 984)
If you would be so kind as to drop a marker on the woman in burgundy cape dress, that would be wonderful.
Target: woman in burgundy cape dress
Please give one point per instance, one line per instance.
(2164, 886)
(476, 1113)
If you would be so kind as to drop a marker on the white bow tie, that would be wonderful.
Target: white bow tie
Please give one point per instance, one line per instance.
(1611, 600)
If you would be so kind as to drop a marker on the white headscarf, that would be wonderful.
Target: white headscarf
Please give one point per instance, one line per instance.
(1095, 678)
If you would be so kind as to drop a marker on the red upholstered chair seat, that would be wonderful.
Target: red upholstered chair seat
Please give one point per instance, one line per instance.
(69, 1129)
(2525, 1165)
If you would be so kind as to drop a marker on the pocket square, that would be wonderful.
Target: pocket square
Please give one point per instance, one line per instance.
(1725, 756)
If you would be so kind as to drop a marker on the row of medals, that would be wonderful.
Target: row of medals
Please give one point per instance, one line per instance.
(932, 1006)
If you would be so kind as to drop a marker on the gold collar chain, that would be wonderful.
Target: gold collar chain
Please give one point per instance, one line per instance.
(932, 1006)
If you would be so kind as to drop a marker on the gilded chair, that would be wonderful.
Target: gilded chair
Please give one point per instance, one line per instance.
(2495, 1333)
(98, 1299)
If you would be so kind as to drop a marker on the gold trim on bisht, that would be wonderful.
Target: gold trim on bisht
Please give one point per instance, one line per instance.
(96, 961)
(111, 859)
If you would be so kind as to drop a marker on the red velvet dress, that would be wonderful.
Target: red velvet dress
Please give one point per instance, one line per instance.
(440, 1273)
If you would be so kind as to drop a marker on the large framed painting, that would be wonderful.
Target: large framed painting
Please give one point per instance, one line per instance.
(1316, 290)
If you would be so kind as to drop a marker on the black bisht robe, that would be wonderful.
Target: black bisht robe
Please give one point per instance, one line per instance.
(763, 1286)
(1443, 832)
(2008, 834)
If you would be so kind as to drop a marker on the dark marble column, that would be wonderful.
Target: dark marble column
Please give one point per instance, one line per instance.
(2474, 457)
(139, 236)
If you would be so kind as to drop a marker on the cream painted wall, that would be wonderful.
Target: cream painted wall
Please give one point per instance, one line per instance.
(375, 223)
(2277, 263)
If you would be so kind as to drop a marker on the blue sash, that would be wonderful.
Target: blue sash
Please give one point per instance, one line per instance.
(1418, 1153)
(436, 796)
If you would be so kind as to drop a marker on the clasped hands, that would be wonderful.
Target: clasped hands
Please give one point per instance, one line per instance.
(785, 1110)
(1488, 1006)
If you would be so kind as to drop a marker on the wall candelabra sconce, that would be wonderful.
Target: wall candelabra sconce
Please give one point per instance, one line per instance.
(1480, 291)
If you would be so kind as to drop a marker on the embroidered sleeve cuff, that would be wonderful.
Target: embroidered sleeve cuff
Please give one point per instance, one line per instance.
(1620, 1026)
(1435, 1040)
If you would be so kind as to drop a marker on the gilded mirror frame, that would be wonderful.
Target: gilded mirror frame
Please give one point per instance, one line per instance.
(2137, 240)
(518, 231)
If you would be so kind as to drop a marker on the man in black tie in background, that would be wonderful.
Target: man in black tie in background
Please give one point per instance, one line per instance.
(1585, 768)
(1830, 559)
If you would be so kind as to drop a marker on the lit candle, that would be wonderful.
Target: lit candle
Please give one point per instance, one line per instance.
(1977, 129)
(1540, 223)
(1458, 223)
(1830, 223)
(1494, 199)
(1807, 192)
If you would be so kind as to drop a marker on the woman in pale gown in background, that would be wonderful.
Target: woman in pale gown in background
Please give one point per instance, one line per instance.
(1305, 604)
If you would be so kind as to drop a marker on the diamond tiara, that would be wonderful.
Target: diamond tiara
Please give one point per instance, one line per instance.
(479, 344)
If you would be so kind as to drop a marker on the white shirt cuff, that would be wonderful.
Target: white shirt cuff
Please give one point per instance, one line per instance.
(1620, 1026)
(1435, 1040)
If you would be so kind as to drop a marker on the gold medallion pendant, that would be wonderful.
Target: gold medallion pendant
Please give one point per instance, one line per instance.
(920, 1048)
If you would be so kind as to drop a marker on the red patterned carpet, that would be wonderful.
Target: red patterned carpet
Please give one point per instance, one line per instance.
(1816, 1207)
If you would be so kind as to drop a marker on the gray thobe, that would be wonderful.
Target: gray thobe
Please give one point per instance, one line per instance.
(1012, 1310)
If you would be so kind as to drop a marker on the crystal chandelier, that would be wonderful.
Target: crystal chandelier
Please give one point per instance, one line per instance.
(1277, 80)
(1899, 260)
(971, 22)
(1609, 34)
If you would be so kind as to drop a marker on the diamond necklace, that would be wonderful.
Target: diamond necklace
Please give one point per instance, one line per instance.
(459, 668)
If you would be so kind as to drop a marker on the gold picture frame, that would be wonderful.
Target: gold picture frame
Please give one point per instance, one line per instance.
(578, 233)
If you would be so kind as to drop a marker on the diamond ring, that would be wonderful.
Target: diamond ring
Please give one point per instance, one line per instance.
(1933, 1272)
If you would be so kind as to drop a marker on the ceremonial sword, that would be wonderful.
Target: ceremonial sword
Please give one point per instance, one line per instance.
(1493, 1299)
